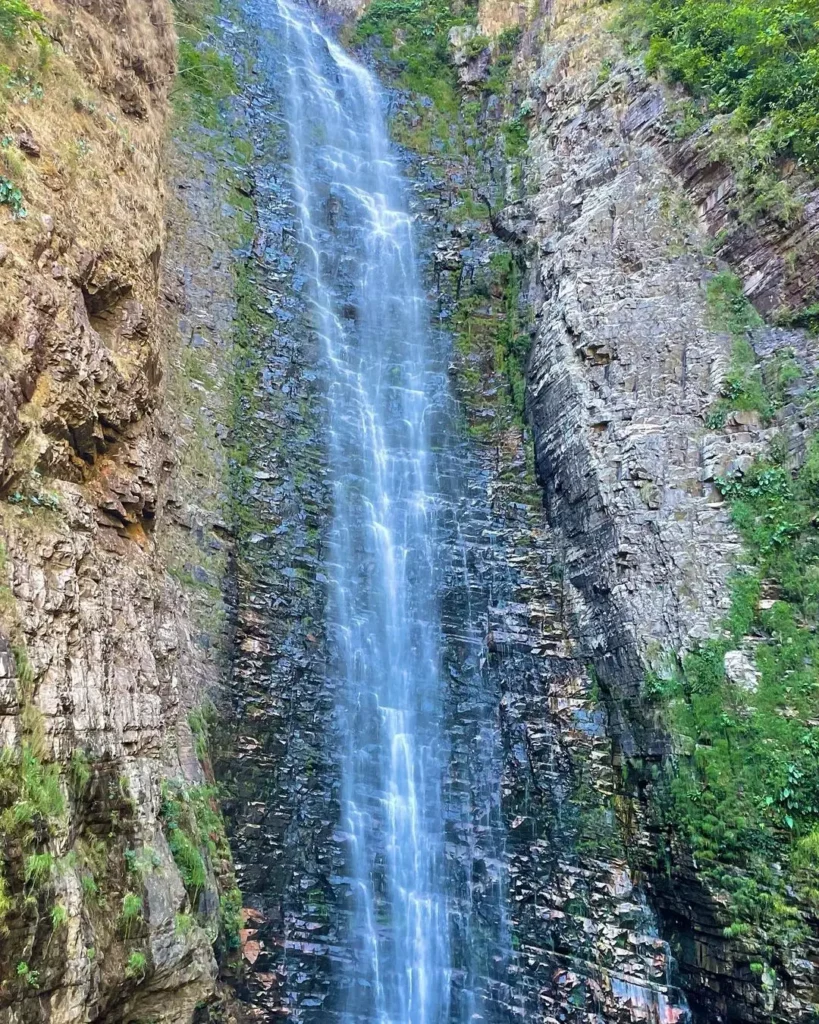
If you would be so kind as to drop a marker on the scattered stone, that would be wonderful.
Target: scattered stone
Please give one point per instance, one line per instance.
(740, 669)
(27, 143)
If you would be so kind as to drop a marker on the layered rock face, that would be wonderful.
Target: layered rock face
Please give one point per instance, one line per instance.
(101, 660)
(615, 229)
(624, 224)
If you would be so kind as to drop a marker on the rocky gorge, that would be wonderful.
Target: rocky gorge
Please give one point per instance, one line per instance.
(626, 331)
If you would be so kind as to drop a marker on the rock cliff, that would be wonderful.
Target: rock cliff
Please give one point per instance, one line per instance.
(109, 899)
(165, 506)
(627, 228)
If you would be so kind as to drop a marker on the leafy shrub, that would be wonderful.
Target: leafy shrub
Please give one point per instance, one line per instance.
(11, 196)
(25, 973)
(759, 62)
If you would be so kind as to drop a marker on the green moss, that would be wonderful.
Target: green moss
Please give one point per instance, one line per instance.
(743, 387)
(27, 975)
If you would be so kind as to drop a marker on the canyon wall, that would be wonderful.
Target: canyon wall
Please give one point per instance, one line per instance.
(625, 229)
(105, 793)
(164, 493)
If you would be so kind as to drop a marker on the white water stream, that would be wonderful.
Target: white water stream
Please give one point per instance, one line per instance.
(385, 560)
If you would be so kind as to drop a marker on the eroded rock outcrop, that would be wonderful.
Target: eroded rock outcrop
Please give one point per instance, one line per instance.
(103, 662)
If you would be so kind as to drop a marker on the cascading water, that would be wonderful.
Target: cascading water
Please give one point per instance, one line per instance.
(388, 446)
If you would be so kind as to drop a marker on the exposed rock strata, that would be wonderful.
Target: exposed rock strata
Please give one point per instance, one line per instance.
(107, 658)
(623, 371)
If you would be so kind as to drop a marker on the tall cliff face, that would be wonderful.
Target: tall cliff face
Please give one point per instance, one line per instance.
(163, 469)
(103, 793)
(627, 231)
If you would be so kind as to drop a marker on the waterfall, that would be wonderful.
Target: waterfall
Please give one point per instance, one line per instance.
(390, 547)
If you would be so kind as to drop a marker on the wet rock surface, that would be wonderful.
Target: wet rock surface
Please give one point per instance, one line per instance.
(531, 752)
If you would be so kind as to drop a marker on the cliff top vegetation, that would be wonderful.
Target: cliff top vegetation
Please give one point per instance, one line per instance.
(756, 61)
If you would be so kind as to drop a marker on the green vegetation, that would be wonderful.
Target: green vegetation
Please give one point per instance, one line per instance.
(25, 973)
(747, 789)
(183, 924)
(252, 322)
(438, 116)
(179, 818)
(516, 137)
(196, 835)
(32, 806)
(131, 906)
(807, 318)
(757, 62)
(230, 918)
(79, 771)
(512, 346)
(200, 721)
(38, 868)
(31, 793)
(11, 196)
(15, 16)
(136, 966)
(205, 77)
(489, 333)
(142, 863)
(743, 388)
(419, 29)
